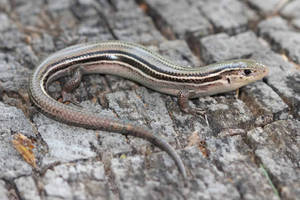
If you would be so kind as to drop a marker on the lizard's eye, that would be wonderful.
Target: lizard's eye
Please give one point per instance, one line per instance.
(247, 72)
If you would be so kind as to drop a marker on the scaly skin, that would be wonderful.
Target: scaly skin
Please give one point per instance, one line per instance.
(139, 64)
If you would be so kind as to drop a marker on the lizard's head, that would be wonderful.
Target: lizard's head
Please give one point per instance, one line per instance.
(231, 75)
(245, 71)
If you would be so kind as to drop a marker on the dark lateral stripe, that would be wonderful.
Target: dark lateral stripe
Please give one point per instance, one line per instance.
(142, 64)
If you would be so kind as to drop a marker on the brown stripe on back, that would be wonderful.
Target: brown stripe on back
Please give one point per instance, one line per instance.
(142, 65)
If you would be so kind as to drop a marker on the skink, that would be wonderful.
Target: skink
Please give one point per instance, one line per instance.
(139, 64)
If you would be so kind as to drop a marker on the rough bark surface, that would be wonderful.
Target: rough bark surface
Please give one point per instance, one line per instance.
(245, 148)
